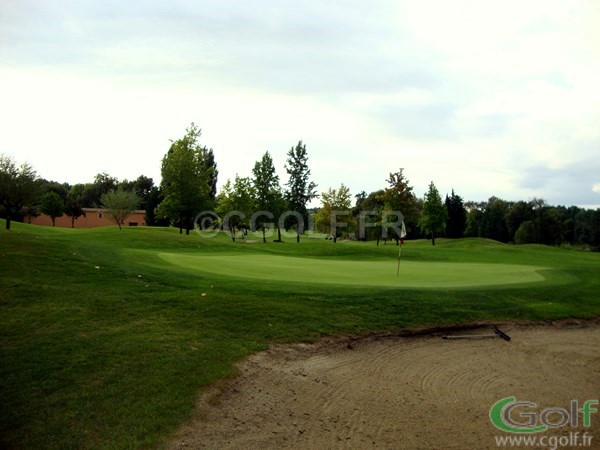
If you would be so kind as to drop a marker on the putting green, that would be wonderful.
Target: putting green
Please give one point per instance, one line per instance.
(359, 273)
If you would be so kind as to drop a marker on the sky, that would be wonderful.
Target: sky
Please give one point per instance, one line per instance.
(489, 98)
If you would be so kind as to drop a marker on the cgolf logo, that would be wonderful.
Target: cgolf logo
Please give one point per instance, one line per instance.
(512, 416)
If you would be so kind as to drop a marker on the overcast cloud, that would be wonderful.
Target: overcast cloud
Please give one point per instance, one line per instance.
(488, 98)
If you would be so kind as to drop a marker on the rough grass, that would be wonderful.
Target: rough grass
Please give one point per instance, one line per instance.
(104, 345)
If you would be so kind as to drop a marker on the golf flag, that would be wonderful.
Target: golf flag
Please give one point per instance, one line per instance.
(402, 234)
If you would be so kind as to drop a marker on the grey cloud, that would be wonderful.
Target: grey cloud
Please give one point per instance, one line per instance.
(304, 48)
(570, 185)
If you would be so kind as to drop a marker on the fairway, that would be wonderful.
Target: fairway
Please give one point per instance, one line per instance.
(109, 336)
(357, 273)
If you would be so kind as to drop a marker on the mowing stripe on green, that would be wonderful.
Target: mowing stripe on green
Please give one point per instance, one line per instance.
(357, 273)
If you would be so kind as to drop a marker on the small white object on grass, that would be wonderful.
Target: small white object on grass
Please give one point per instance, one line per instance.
(97, 267)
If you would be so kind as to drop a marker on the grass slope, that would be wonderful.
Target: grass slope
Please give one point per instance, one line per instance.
(105, 345)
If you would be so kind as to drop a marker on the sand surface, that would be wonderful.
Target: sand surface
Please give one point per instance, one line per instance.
(397, 392)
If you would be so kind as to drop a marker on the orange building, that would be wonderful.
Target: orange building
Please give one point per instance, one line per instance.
(94, 217)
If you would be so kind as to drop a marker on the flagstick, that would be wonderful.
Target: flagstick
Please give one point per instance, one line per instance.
(399, 253)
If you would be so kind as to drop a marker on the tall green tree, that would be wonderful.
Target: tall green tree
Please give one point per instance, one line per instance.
(52, 205)
(300, 190)
(209, 166)
(518, 213)
(494, 220)
(333, 200)
(269, 196)
(103, 183)
(236, 203)
(18, 187)
(74, 203)
(186, 182)
(457, 216)
(119, 204)
(149, 195)
(371, 207)
(399, 196)
(434, 215)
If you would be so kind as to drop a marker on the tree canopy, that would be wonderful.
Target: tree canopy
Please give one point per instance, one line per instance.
(334, 201)
(434, 215)
(187, 180)
(300, 189)
(52, 205)
(18, 187)
(119, 204)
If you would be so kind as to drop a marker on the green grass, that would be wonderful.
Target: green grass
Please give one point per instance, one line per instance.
(107, 337)
(346, 274)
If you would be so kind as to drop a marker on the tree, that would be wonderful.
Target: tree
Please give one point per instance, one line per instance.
(332, 200)
(374, 205)
(30, 212)
(62, 189)
(236, 203)
(74, 203)
(494, 224)
(474, 218)
(269, 196)
(399, 196)
(518, 213)
(103, 183)
(209, 166)
(186, 181)
(526, 233)
(434, 215)
(300, 189)
(18, 187)
(119, 204)
(457, 216)
(52, 205)
(148, 194)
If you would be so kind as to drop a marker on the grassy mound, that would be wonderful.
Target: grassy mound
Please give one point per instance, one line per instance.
(108, 336)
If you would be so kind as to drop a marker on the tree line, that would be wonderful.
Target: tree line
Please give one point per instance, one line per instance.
(189, 186)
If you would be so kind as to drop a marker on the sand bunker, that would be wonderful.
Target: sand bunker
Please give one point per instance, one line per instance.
(397, 392)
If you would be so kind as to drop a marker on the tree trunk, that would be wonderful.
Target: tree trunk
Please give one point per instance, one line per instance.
(73, 222)
(432, 238)
(53, 221)
(278, 234)
(298, 238)
(264, 237)
(7, 222)
(233, 234)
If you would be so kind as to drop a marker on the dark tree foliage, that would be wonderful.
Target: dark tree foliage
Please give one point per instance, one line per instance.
(62, 189)
(18, 188)
(186, 181)
(399, 196)
(269, 196)
(52, 205)
(300, 190)
(93, 192)
(457, 216)
(434, 214)
(518, 213)
(209, 166)
(494, 220)
(74, 203)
